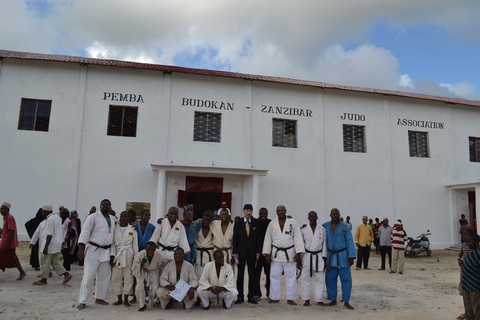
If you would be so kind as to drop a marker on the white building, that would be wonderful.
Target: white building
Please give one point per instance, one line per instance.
(76, 130)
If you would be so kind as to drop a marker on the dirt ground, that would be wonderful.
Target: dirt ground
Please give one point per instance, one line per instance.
(426, 290)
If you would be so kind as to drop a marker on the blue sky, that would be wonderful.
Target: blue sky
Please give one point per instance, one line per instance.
(428, 46)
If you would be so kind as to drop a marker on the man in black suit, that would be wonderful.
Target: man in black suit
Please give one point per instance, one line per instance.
(247, 249)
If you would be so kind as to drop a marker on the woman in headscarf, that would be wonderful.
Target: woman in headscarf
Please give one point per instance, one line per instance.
(31, 226)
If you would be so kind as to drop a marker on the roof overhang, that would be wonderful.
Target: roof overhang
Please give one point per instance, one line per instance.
(210, 168)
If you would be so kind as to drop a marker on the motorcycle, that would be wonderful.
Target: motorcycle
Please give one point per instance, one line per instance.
(419, 245)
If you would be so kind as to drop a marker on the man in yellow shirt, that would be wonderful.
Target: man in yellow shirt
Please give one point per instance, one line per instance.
(363, 239)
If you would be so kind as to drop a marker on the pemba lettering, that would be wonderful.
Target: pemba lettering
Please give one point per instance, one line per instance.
(288, 111)
(122, 97)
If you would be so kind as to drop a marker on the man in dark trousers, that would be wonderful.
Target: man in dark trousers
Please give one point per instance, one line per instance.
(247, 249)
(263, 222)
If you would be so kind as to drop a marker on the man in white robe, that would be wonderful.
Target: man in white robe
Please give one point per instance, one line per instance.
(222, 231)
(124, 248)
(282, 247)
(94, 245)
(169, 235)
(217, 282)
(173, 271)
(50, 236)
(146, 269)
(313, 260)
(204, 245)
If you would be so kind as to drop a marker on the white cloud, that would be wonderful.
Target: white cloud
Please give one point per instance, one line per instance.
(462, 89)
(299, 39)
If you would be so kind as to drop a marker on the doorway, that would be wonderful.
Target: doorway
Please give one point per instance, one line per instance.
(203, 194)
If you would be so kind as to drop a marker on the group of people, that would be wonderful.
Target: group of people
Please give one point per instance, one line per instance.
(195, 261)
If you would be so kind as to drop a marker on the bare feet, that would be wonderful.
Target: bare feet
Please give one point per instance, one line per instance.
(102, 302)
(143, 308)
(332, 303)
(81, 306)
(307, 303)
(274, 301)
(40, 283)
(21, 276)
(291, 302)
(348, 306)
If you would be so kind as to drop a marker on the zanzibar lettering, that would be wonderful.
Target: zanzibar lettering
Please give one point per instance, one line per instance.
(287, 111)
(125, 97)
(211, 104)
(420, 123)
(352, 117)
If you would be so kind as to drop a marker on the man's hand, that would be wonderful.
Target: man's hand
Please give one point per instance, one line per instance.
(170, 287)
(45, 250)
(350, 262)
(268, 259)
(81, 252)
(190, 293)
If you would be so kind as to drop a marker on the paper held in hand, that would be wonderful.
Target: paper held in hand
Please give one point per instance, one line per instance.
(181, 290)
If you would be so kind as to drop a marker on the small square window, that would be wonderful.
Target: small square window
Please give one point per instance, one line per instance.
(34, 115)
(284, 133)
(122, 121)
(207, 126)
(474, 146)
(418, 144)
(354, 138)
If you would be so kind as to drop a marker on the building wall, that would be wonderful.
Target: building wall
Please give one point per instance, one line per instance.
(77, 164)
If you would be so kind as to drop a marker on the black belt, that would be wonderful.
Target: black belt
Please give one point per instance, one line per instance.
(284, 250)
(99, 246)
(311, 260)
(167, 248)
(207, 250)
(334, 252)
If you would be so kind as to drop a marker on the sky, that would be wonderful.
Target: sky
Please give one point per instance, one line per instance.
(427, 46)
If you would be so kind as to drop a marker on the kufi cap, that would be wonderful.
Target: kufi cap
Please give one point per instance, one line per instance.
(6, 204)
(248, 206)
(398, 222)
(47, 207)
(385, 218)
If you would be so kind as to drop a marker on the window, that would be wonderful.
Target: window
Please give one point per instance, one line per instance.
(474, 144)
(284, 133)
(207, 126)
(418, 143)
(354, 138)
(122, 121)
(34, 115)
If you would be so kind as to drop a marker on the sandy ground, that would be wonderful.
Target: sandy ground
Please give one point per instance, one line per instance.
(427, 290)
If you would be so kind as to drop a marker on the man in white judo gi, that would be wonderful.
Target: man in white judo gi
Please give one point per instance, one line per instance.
(146, 269)
(124, 248)
(282, 247)
(171, 274)
(94, 245)
(313, 260)
(222, 231)
(169, 235)
(217, 282)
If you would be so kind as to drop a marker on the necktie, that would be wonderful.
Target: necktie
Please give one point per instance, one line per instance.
(247, 228)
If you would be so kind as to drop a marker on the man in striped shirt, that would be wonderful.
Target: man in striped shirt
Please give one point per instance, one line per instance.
(471, 276)
(399, 236)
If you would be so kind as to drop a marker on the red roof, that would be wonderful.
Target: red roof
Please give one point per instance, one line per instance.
(5, 54)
